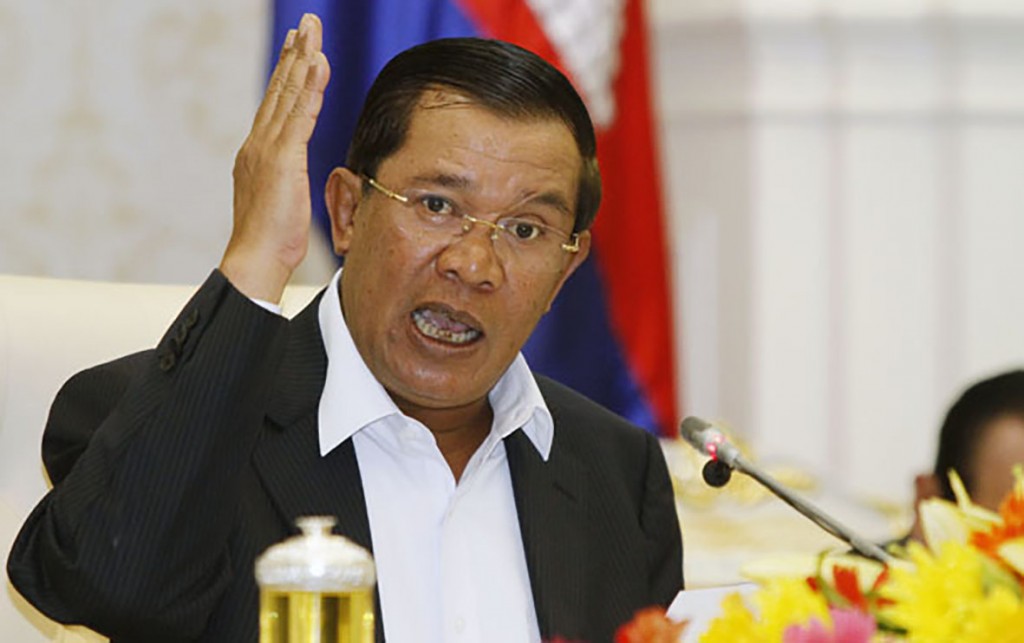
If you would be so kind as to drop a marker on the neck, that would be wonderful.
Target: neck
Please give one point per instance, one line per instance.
(459, 431)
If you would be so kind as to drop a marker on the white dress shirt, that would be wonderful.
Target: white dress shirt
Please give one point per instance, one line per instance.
(449, 555)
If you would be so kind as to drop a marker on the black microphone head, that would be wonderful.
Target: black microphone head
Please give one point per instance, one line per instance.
(716, 473)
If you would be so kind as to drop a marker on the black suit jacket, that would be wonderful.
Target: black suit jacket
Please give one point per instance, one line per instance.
(174, 468)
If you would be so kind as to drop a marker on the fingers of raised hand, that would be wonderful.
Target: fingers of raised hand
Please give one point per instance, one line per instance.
(301, 50)
(314, 31)
(300, 122)
(294, 86)
(277, 79)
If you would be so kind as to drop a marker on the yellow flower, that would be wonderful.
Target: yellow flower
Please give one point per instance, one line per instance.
(967, 586)
(946, 594)
(999, 617)
(782, 602)
(735, 624)
(789, 601)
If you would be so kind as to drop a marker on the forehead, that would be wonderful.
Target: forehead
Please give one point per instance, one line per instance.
(1001, 440)
(451, 134)
(999, 448)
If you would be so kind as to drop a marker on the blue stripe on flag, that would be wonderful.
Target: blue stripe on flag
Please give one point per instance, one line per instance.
(360, 36)
(575, 345)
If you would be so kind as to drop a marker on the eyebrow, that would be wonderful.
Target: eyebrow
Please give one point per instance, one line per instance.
(554, 200)
(457, 181)
(443, 179)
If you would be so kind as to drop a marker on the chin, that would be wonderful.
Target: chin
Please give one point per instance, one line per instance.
(444, 398)
(437, 393)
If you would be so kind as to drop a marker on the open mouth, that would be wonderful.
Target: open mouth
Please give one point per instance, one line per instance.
(444, 325)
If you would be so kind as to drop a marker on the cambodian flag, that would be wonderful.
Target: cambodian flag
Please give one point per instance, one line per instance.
(609, 334)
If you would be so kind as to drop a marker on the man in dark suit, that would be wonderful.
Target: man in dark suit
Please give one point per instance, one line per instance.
(498, 506)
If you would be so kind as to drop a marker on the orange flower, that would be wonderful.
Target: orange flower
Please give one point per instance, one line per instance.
(844, 591)
(650, 625)
(1011, 510)
(849, 587)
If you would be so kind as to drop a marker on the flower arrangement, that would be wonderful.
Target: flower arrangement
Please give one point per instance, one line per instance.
(966, 585)
(650, 625)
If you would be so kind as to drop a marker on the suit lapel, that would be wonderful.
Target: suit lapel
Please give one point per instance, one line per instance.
(553, 522)
(287, 458)
(301, 483)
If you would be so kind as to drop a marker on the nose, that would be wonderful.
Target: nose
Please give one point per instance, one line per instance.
(469, 221)
(472, 259)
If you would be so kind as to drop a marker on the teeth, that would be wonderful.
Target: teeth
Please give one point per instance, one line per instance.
(430, 329)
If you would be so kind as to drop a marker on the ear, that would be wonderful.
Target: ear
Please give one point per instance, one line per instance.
(342, 195)
(926, 486)
(575, 262)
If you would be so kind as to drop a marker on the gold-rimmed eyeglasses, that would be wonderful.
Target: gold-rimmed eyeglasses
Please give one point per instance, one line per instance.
(443, 214)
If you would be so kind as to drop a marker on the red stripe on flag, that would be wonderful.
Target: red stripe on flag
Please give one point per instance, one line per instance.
(630, 235)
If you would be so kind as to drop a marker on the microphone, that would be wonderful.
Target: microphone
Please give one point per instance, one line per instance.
(716, 473)
(705, 438)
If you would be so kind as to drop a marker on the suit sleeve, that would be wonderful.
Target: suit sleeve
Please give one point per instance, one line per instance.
(660, 524)
(145, 455)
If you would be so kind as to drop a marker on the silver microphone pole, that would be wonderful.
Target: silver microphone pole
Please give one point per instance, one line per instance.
(704, 437)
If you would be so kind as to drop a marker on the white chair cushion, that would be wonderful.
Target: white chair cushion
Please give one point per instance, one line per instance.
(49, 330)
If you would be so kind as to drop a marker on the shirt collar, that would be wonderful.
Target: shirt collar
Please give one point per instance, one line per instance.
(353, 399)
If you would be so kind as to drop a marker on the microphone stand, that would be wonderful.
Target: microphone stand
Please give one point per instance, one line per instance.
(817, 516)
(708, 440)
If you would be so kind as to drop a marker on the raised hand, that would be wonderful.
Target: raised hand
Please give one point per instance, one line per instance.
(272, 210)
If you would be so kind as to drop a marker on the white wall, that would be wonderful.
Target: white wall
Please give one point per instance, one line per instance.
(844, 181)
(119, 121)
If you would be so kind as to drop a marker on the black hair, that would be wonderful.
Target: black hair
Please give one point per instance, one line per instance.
(978, 406)
(501, 77)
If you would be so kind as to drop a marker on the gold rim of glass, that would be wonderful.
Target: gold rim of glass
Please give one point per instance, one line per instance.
(572, 245)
